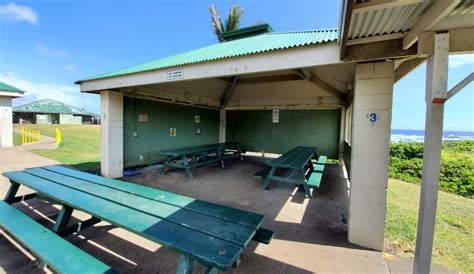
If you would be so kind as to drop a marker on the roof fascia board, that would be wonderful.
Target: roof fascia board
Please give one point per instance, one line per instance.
(378, 51)
(346, 16)
(429, 18)
(307, 56)
(10, 93)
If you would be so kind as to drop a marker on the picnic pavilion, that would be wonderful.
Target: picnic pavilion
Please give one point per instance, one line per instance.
(7, 93)
(272, 91)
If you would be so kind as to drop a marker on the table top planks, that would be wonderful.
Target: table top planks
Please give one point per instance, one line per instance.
(212, 234)
(197, 149)
(295, 158)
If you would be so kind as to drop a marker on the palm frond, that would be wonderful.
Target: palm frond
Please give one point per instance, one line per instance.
(216, 22)
(234, 18)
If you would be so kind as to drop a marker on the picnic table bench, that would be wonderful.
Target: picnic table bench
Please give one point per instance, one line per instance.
(295, 166)
(192, 157)
(52, 250)
(210, 234)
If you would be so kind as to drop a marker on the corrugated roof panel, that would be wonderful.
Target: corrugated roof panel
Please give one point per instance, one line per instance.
(246, 46)
(465, 7)
(384, 21)
(51, 106)
(9, 88)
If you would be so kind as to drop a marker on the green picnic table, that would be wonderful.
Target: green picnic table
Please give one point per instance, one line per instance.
(192, 157)
(295, 166)
(207, 233)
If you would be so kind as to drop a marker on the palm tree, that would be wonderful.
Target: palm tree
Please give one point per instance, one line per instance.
(232, 22)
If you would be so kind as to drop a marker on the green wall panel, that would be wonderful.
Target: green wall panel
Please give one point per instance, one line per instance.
(153, 135)
(255, 130)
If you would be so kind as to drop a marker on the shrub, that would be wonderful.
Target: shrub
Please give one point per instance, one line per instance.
(457, 168)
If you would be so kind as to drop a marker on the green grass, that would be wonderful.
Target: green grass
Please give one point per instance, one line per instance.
(16, 139)
(454, 238)
(80, 146)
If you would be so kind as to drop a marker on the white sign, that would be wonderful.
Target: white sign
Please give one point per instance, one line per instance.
(197, 119)
(276, 116)
(175, 74)
(142, 117)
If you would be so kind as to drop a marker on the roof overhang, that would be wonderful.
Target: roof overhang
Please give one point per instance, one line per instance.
(394, 27)
(292, 58)
(12, 94)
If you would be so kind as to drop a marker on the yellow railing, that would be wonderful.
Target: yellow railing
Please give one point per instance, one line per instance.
(29, 136)
(58, 136)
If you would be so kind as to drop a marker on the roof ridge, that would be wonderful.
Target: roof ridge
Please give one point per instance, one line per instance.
(303, 31)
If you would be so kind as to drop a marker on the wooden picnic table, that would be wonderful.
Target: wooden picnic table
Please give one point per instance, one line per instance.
(296, 167)
(192, 157)
(210, 234)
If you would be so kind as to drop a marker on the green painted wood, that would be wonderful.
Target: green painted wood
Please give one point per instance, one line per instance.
(263, 235)
(312, 128)
(206, 249)
(292, 154)
(228, 231)
(306, 154)
(206, 208)
(153, 135)
(315, 179)
(56, 252)
(322, 159)
(263, 173)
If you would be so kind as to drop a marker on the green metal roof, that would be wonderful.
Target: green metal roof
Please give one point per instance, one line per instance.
(51, 106)
(245, 46)
(7, 87)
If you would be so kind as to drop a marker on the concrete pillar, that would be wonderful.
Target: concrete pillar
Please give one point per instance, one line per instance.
(222, 122)
(342, 133)
(111, 134)
(6, 122)
(435, 96)
(372, 115)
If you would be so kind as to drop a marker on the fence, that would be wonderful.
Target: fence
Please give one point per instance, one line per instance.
(58, 136)
(29, 136)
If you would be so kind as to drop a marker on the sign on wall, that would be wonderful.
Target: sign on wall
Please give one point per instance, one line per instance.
(197, 119)
(173, 132)
(275, 116)
(142, 117)
(175, 75)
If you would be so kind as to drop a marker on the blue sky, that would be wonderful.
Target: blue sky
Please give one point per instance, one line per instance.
(47, 45)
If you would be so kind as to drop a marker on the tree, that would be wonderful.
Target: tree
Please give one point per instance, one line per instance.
(232, 22)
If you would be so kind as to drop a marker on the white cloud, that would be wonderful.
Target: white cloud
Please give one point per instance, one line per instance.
(455, 61)
(51, 52)
(69, 94)
(14, 12)
(70, 68)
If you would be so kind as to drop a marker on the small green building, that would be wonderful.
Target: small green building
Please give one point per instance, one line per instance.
(49, 111)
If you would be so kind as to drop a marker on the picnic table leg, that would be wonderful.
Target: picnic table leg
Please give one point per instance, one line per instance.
(267, 180)
(63, 218)
(219, 155)
(185, 265)
(187, 169)
(239, 151)
(10, 197)
(166, 166)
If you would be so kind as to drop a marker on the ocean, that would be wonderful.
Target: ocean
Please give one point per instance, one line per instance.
(407, 135)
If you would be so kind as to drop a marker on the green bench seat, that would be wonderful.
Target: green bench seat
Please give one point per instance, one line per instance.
(316, 176)
(52, 250)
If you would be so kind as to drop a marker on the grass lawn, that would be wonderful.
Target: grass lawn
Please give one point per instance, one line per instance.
(16, 139)
(80, 146)
(454, 232)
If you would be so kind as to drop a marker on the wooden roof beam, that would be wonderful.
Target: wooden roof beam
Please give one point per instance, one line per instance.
(429, 18)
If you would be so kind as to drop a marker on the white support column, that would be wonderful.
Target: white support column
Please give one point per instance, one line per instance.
(222, 124)
(111, 134)
(372, 114)
(342, 132)
(6, 122)
(436, 95)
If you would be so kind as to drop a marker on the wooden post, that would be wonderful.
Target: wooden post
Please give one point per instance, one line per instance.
(436, 95)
